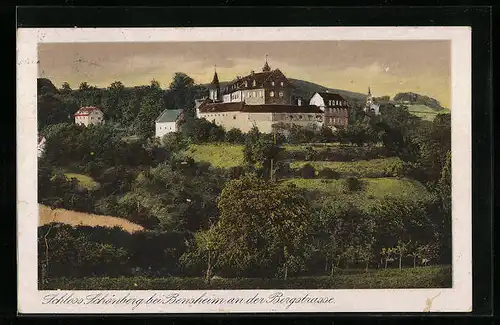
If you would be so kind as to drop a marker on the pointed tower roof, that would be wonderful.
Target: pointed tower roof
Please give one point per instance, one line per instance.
(266, 67)
(215, 80)
(369, 91)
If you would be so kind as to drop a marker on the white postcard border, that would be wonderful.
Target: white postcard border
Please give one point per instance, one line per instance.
(456, 299)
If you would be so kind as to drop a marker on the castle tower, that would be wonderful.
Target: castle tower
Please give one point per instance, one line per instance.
(266, 67)
(215, 87)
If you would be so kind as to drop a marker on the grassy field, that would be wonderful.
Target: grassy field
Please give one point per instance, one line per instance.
(74, 218)
(220, 155)
(425, 112)
(362, 168)
(84, 180)
(374, 189)
(421, 277)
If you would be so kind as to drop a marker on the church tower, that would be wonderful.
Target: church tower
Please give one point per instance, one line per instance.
(215, 88)
(266, 67)
(369, 99)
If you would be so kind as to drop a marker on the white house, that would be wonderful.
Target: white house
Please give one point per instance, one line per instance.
(41, 145)
(335, 107)
(167, 122)
(89, 115)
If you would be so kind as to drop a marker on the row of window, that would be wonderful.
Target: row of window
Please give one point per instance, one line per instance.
(336, 110)
(83, 117)
(337, 102)
(255, 94)
(336, 120)
(254, 84)
(164, 128)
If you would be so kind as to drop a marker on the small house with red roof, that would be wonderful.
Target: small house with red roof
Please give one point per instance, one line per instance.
(89, 115)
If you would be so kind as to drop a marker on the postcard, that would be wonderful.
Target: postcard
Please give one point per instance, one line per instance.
(244, 170)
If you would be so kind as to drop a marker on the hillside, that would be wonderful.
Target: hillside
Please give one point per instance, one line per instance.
(418, 99)
(306, 89)
(75, 218)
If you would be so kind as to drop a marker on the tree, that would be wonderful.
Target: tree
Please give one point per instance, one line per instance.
(344, 233)
(179, 195)
(182, 92)
(400, 221)
(174, 141)
(65, 88)
(260, 223)
(152, 104)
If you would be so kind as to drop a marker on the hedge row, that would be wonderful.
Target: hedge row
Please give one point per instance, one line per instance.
(334, 153)
(420, 277)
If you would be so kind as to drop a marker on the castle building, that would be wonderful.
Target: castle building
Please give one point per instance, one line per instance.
(260, 99)
(335, 107)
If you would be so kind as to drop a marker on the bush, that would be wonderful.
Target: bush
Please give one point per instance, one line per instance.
(352, 184)
(283, 169)
(236, 172)
(234, 136)
(307, 171)
(311, 154)
(100, 251)
(328, 173)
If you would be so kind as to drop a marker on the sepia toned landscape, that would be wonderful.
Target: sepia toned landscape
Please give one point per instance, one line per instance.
(244, 165)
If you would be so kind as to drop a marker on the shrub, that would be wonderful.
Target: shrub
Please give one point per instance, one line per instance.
(236, 172)
(234, 136)
(329, 173)
(352, 184)
(311, 154)
(283, 169)
(307, 171)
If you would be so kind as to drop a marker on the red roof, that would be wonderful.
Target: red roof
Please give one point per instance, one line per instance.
(85, 111)
(265, 108)
(262, 79)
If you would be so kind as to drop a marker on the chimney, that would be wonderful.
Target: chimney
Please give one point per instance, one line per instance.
(252, 72)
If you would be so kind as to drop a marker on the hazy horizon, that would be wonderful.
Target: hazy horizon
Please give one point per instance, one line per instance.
(388, 67)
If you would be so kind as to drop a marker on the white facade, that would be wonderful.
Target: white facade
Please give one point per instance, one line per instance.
(317, 100)
(163, 128)
(263, 121)
(87, 116)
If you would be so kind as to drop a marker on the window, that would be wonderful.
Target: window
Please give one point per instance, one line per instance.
(271, 93)
(281, 94)
(261, 94)
(282, 84)
(300, 117)
(254, 83)
(254, 94)
(291, 117)
(234, 117)
(330, 120)
(329, 103)
(272, 83)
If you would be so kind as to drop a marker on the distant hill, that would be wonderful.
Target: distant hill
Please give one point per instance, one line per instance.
(306, 89)
(417, 99)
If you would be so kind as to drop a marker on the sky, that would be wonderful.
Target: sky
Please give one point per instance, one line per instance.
(388, 67)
